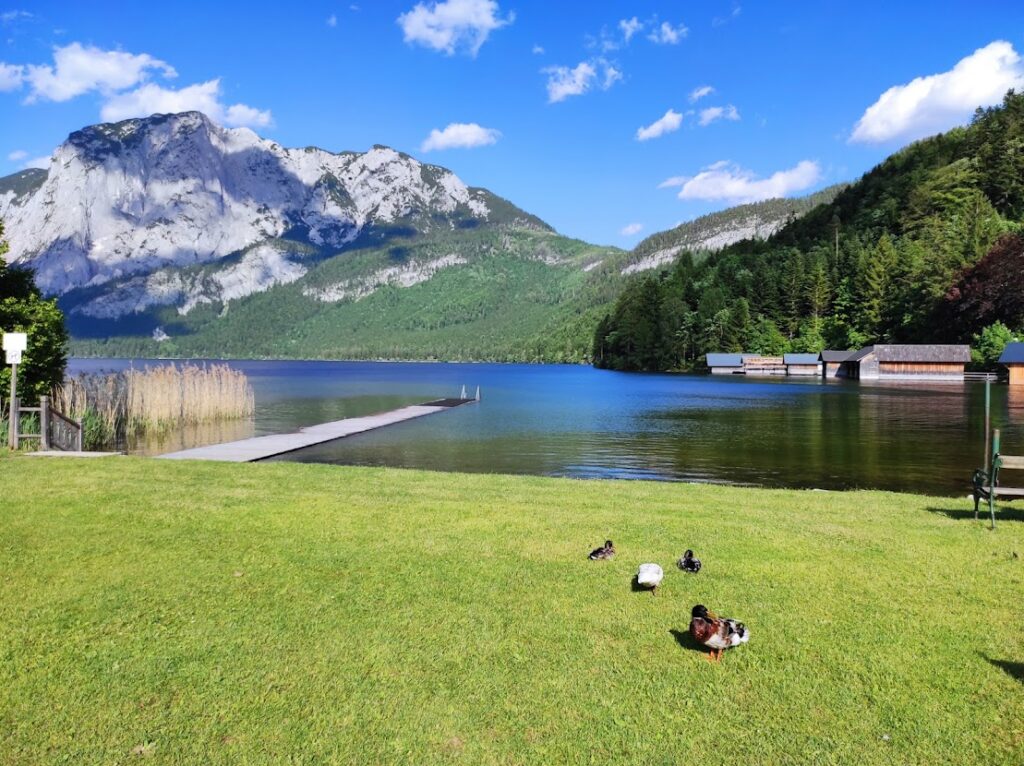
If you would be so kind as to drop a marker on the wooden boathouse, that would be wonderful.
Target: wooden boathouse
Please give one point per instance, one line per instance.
(907, 362)
(832, 362)
(807, 365)
(1013, 359)
(725, 364)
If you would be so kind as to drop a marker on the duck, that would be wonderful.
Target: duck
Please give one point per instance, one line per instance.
(716, 633)
(605, 551)
(688, 563)
(649, 576)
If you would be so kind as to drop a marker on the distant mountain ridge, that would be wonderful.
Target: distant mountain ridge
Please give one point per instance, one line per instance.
(756, 220)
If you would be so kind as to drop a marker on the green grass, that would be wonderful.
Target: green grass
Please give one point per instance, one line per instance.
(204, 613)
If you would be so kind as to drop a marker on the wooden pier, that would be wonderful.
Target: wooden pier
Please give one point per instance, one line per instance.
(262, 447)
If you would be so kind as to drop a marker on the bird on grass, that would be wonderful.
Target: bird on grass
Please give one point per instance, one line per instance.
(606, 551)
(649, 576)
(716, 633)
(688, 563)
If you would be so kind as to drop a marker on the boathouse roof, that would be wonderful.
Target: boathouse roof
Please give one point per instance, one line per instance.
(835, 356)
(920, 353)
(1012, 354)
(800, 359)
(725, 360)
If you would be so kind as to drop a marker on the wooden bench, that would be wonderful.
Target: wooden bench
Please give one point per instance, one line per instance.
(986, 482)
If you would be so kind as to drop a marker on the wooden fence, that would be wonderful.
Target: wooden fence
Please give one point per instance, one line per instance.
(56, 430)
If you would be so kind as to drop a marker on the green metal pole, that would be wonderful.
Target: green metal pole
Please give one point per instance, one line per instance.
(992, 478)
(988, 417)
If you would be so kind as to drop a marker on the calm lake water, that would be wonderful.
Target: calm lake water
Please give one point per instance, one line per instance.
(556, 420)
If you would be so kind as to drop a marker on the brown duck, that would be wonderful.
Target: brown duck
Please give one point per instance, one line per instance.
(716, 633)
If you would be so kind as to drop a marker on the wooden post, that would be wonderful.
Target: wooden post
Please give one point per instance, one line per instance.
(78, 436)
(992, 478)
(14, 425)
(44, 423)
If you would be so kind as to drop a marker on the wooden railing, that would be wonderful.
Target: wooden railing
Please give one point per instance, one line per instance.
(56, 430)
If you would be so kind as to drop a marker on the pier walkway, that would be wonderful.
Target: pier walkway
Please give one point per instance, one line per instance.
(261, 447)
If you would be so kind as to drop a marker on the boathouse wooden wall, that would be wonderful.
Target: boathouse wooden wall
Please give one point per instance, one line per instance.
(910, 369)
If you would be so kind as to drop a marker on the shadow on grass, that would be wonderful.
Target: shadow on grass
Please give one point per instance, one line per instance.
(638, 588)
(1004, 513)
(1013, 669)
(685, 640)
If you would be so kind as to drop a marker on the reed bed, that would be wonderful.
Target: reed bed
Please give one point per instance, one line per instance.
(115, 406)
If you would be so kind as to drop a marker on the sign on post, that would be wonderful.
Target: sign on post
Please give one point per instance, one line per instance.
(14, 344)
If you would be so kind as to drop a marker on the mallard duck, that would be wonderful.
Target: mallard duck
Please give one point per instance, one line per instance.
(717, 633)
(688, 563)
(649, 576)
(606, 551)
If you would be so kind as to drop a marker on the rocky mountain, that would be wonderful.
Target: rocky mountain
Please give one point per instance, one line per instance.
(160, 228)
(757, 220)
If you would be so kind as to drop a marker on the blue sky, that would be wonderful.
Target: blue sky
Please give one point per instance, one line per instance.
(546, 100)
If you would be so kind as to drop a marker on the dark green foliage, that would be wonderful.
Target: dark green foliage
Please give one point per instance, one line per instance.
(898, 256)
(990, 291)
(22, 309)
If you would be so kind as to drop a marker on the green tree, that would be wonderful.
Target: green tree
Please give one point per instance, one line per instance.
(23, 309)
(738, 331)
(989, 344)
(766, 338)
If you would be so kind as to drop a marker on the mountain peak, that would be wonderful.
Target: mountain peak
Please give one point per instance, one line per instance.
(129, 198)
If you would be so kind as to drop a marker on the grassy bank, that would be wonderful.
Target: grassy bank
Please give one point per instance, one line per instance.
(203, 613)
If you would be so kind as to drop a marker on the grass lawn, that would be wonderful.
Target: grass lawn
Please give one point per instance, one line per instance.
(207, 613)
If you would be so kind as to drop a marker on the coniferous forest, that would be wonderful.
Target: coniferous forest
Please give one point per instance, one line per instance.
(926, 247)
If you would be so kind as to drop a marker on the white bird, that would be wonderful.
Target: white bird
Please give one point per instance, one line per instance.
(649, 576)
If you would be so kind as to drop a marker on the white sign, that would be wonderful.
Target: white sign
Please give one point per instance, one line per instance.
(13, 357)
(15, 341)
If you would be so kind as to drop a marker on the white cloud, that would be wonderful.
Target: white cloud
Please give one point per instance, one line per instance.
(453, 24)
(669, 123)
(537, 50)
(11, 77)
(38, 162)
(9, 17)
(460, 135)
(666, 34)
(630, 27)
(564, 82)
(932, 104)
(17, 155)
(630, 229)
(78, 69)
(121, 78)
(698, 93)
(715, 113)
(727, 181)
(721, 20)
(332, 20)
(611, 76)
(203, 97)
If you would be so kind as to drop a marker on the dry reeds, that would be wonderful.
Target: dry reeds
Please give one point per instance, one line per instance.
(115, 405)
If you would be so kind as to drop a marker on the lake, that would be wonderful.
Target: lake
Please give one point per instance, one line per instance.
(559, 420)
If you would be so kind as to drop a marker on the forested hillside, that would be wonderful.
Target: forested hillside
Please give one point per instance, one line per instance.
(923, 248)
